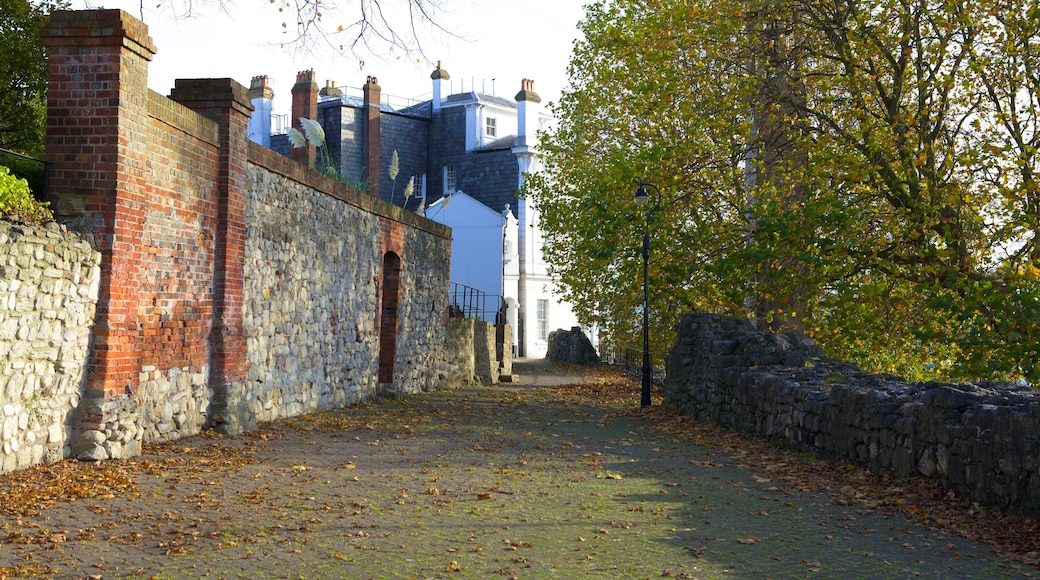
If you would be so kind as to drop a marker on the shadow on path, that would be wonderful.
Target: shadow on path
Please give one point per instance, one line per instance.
(559, 478)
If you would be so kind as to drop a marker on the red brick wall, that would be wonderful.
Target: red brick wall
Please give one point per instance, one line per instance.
(227, 103)
(96, 135)
(161, 188)
(177, 245)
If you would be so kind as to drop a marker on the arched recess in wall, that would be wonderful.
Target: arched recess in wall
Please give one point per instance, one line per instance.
(388, 309)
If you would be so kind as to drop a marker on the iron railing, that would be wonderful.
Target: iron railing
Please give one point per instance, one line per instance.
(631, 363)
(469, 302)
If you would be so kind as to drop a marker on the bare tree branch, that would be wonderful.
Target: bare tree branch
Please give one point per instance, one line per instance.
(355, 28)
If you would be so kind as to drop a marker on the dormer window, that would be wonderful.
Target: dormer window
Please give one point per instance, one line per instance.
(490, 127)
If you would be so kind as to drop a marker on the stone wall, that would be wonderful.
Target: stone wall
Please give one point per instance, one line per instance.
(49, 283)
(312, 332)
(979, 440)
(473, 354)
(235, 285)
(571, 346)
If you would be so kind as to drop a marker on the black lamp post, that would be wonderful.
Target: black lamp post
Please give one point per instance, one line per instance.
(642, 198)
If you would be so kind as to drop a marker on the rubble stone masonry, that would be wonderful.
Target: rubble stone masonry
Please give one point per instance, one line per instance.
(213, 283)
(978, 440)
(49, 283)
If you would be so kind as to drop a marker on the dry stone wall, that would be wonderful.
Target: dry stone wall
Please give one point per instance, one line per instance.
(49, 282)
(980, 440)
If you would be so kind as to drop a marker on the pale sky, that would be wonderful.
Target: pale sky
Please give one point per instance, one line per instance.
(502, 42)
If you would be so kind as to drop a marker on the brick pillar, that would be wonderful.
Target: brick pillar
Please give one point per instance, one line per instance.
(372, 110)
(97, 136)
(305, 105)
(227, 103)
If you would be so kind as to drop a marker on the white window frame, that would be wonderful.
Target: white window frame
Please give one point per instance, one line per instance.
(450, 179)
(419, 186)
(542, 316)
(491, 127)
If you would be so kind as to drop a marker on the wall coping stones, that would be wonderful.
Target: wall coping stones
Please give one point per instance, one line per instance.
(286, 167)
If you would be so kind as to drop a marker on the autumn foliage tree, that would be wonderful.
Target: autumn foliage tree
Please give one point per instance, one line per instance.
(868, 166)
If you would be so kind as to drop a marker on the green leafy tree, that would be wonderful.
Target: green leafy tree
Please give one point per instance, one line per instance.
(23, 75)
(867, 168)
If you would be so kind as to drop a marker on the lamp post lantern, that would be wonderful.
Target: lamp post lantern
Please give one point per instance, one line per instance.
(642, 199)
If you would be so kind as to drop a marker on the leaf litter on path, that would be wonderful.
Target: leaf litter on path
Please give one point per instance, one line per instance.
(563, 478)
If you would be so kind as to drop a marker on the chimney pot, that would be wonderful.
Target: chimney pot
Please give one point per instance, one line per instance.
(260, 88)
(440, 74)
(527, 92)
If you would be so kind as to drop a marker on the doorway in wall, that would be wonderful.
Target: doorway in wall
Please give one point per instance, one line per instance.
(388, 313)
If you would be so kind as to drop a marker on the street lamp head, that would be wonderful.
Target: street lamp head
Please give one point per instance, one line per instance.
(642, 196)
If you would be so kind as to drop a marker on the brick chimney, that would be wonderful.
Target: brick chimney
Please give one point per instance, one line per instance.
(372, 173)
(438, 76)
(527, 113)
(305, 105)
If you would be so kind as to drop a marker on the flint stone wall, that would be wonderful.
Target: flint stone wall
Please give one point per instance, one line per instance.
(470, 354)
(571, 346)
(981, 440)
(312, 275)
(49, 282)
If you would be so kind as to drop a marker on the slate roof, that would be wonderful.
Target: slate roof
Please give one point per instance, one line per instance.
(506, 142)
(481, 97)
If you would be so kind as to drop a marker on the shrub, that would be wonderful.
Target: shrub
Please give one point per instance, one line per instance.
(31, 169)
(17, 203)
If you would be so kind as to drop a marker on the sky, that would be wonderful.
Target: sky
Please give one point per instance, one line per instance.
(496, 44)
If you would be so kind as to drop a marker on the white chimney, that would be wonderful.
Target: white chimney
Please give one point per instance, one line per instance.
(437, 76)
(262, 97)
(527, 113)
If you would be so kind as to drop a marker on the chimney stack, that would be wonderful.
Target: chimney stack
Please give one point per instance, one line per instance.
(331, 90)
(372, 136)
(262, 97)
(527, 113)
(304, 105)
(438, 76)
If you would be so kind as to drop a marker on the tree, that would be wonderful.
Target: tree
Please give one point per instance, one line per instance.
(899, 204)
(645, 104)
(23, 75)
